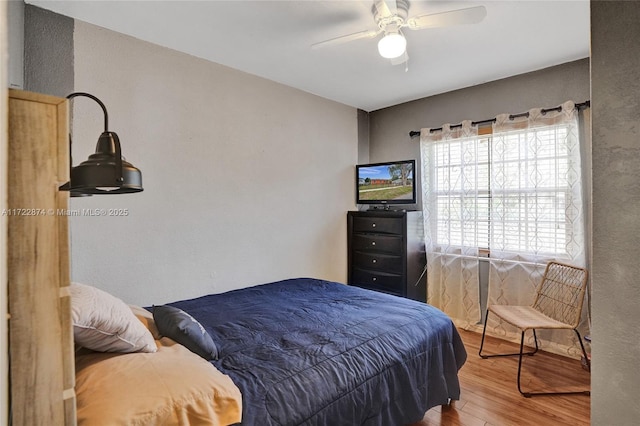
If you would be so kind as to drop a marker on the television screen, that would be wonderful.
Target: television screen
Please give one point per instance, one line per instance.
(386, 183)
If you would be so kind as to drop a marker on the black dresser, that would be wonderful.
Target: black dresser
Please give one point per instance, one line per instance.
(386, 252)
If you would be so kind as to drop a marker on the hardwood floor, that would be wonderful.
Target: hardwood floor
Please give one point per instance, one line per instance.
(489, 395)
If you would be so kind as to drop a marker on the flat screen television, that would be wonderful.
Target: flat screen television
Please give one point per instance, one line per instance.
(386, 183)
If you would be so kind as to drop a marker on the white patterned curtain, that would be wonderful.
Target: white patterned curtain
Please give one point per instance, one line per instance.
(512, 197)
(536, 212)
(454, 162)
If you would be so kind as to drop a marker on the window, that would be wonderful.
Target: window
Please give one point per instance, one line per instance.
(462, 192)
(509, 191)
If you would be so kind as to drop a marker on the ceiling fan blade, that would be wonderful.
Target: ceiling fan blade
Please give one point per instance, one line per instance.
(471, 15)
(346, 38)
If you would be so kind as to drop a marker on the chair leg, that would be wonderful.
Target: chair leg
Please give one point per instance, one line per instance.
(525, 394)
(484, 330)
(530, 394)
(584, 352)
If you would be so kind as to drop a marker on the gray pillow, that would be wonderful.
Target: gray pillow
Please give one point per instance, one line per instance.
(184, 329)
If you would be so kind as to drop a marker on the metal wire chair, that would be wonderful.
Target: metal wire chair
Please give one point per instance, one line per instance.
(558, 305)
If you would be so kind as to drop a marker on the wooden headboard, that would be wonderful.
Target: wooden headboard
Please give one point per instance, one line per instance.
(41, 355)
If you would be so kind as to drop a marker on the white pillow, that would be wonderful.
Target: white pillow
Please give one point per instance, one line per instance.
(104, 323)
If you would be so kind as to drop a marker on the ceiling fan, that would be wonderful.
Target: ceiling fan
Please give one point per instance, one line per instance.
(391, 16)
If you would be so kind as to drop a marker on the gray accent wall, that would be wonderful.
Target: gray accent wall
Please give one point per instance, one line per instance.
(615, 85)
(15, 37)
(48, 52)
(389, 127)
(363, 137)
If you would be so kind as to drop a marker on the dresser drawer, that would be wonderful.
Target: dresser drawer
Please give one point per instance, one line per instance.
(389, 283)
(382, 225)
(377, 261)
(375, 242)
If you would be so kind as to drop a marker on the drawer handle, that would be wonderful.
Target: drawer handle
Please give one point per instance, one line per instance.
(374, 261)
(375, 279)
(373, 243)
(373, 225)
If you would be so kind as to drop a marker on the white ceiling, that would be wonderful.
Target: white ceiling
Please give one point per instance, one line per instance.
(272, 39)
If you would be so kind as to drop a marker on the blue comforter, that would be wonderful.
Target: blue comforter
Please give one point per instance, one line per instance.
(312, 352)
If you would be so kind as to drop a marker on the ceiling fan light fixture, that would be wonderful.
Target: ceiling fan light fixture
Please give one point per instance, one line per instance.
(392, 45)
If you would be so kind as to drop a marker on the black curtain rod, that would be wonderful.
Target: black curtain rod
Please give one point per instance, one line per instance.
(585, 104)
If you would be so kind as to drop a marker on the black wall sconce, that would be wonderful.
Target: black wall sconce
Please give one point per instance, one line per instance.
(105, 172)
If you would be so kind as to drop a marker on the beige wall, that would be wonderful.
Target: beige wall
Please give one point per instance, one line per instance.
(246, 181)
(615, 85)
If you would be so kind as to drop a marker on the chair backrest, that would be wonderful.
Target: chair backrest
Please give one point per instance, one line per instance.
(561, 293)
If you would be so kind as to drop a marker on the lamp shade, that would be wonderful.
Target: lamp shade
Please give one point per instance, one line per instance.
(99, 174)
(105, 171)
(392, 45)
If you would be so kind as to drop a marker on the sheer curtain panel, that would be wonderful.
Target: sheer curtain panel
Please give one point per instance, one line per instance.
(454, 195)
(536, 211)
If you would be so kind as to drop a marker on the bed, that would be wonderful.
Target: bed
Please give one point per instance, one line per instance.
(313, 352)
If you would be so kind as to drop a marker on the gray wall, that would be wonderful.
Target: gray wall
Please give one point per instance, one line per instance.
(48, 52)
(246, 181)
(15, 33)
(363, 137)
(389, 127)
(615, 85)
